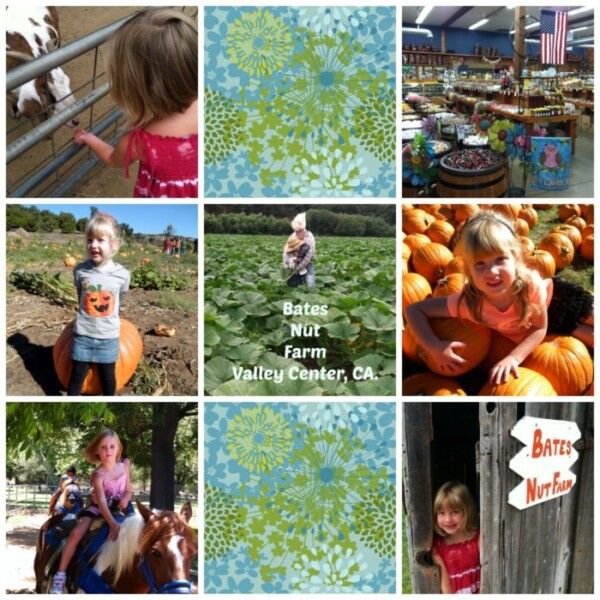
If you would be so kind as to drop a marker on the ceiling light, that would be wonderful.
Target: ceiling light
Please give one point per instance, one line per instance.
(418, 31)
(579, 29)
(587, 46)
(576, 11)
(531, 41)
(423, 14)
(479, 24)
(583, 40)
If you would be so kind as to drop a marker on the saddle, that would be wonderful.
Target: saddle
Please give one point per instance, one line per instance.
(80, 574)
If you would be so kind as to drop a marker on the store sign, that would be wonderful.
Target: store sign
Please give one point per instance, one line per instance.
(544, 462)
(550, 163)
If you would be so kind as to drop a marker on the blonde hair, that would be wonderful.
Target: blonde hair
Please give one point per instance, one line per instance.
(485, 234)
(103, 224)
(152, 65)
(455, 496)
(91, 450)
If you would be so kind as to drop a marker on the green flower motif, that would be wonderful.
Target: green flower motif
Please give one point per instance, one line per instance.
(223, 522)
(375, 519)
(325, 173)
(259, 439)
(259, 43)
(326, 478)
(375, 124)
(224, 126)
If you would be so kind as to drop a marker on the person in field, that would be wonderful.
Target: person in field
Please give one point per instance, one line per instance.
(502, 293)
(456, 540)
(152, 65)
(298, 253)
(101, 285)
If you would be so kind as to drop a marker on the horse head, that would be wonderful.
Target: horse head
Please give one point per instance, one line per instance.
(152, 554)
(70, 497)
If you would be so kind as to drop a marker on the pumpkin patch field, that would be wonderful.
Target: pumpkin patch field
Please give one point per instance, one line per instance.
(161, 308)
(557, 241)
(257, 328)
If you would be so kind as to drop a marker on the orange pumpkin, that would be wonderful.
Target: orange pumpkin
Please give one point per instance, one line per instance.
(529, 383)
(70, 261)
(526, 243)
(440, 232)
(98, 302)
(565, 362)
(456, 265)
(409, 346)
(571, 232)
(530, 215)
(145, 261)
(449, 284)
(561, 248)
(430, 261)
(475, 337)
(428, 384)
(576, 222)
(416, 220)
(542, 261)
(587, 230)
(462, 212)
(587, 248)
(500, 347)
(405, 252)
(565, 211)
(415, 240)
(521, 227)
(130, 353)
(414, 289)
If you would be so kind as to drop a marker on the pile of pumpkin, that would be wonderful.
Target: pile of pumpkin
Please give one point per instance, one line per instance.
(560, 366)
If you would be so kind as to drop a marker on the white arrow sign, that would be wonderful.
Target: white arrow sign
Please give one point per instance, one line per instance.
(544, 462)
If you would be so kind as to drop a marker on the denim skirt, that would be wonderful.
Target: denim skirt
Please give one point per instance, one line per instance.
(92, 350)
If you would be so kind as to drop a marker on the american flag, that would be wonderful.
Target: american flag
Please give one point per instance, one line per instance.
(553, 37)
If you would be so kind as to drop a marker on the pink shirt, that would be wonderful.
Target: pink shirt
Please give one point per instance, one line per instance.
(505, 322)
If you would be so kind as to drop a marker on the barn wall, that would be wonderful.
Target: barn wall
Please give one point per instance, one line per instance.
(529, 551)
(416, 469)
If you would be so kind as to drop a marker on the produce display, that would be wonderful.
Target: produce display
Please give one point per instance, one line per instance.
(475, 140)
(471, 160)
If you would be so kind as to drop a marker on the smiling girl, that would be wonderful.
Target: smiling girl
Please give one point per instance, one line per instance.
(101, 285)
(456, 543)
(111, 492)
(502, 293)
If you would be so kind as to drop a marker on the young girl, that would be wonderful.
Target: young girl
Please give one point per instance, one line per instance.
(456, 543)
(101, 285)
(504, 294)
(110, 492)
(152, 65)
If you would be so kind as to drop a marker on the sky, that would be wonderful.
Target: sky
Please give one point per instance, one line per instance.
(151, 218)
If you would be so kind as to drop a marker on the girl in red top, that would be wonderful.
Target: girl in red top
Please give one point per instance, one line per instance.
(152, 65)
(502, 293)
(456, 546)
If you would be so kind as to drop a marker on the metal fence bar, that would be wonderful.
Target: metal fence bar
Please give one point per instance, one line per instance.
(61, 159)
(30, 70)
(47, 127)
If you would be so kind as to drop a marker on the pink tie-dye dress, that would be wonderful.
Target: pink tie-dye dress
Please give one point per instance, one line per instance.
(169, 168)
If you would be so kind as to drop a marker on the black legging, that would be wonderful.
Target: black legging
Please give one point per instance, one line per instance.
(106, 371)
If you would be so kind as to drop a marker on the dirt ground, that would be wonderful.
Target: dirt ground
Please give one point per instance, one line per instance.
(33, 325)
(104, 182)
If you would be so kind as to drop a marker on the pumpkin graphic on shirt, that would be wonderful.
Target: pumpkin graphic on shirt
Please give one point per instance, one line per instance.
(98, 302)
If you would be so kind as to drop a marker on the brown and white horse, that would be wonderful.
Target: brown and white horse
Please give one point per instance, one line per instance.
(151, 555)
(69, 499)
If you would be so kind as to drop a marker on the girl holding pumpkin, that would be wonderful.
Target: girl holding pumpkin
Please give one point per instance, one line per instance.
(502, 293)
(111, 492)
(101, 285)
(456, 543)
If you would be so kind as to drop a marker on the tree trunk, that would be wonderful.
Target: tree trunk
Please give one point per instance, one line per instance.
(165, 419)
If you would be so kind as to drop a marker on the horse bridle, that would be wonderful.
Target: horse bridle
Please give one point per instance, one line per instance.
(179, 586)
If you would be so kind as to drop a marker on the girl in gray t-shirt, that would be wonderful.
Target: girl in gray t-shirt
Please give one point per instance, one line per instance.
(101, 285)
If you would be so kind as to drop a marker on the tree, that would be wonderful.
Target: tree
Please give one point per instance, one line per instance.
(93, 211)
(126, 230)
(170, 230)
(82, 224)
(66, 222)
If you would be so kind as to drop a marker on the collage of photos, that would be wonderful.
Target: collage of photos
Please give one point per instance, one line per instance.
(219, 290)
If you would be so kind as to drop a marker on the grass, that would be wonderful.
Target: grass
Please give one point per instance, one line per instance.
(580, 272)
(406, 586)
(172, 300)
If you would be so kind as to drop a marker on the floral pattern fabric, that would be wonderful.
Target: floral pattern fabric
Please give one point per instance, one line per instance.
(300, 498)
(299, 102)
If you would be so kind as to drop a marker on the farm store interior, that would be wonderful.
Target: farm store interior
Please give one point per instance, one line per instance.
(497, 102)
(558, 240)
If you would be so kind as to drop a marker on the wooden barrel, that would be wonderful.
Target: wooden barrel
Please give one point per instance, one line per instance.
(483, 183)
